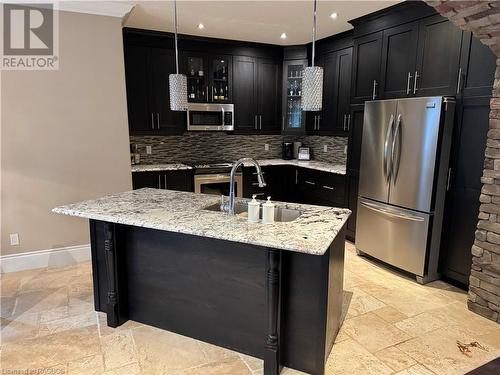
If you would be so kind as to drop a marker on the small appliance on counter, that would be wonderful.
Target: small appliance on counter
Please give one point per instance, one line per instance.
(304, 153)
(287, 150)
(296, 146)
(135, 156)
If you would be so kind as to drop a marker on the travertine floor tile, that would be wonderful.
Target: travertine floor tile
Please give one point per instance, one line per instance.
(68, 323)
(416, 370)
(252, 363)
(22, 327)
(163, 352)
(425, 322)
(41, 300)
(373, 333)
(92, 365)
(438, 351)
(132, 369)
(215, 353)
(362, 303)
(118, 350)
(395, 358)
(227, 367)
(390, 314)
(348, 357)
(51, 350)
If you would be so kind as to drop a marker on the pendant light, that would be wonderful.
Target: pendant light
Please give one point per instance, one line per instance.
(312, 81)
(177, 82)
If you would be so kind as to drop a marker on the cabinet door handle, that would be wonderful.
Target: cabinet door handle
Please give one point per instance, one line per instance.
(328, 187)
(255, 121)
(408, 83)
(459, 80)
(159, 182)
(282, 122)
(345, 120)
(374, 92)
(260, 122)
(415, 82)
(319, 121)
(158, 120)
(165, 180)
(348, 121)
(152, 121)
(212, 93)
(310, 183)
(207, 92)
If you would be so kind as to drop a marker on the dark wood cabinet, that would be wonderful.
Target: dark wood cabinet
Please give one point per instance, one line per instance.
(462, 205)
(438, 54)
(477, 68)
(181, 180)
(209, 77)
(399, 55)
(293, 118)
(140, 118)
(148, 100)
(367, 57)
(320, 188)
(280, 182)
(352, 204)
(256, 93)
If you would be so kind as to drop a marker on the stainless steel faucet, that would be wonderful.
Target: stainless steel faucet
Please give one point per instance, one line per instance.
(229, 207)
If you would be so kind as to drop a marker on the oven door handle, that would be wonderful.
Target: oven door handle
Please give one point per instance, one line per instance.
(223, 124)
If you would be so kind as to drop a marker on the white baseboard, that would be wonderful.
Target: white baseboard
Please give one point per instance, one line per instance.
(63, 256)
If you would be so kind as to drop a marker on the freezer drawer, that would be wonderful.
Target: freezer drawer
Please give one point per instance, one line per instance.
(393, 235)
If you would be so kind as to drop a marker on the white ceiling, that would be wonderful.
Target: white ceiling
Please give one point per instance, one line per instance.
(256, 21)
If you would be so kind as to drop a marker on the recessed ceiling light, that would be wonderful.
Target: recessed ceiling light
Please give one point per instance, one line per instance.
(201, 26)
(333, 15)
(283, 36)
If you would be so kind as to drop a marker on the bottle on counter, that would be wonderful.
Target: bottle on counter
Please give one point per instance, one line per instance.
(253, 210)
(268, 212)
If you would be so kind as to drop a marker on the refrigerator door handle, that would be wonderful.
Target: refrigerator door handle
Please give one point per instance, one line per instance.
(386, 147)
(398, 215)
(395, 161)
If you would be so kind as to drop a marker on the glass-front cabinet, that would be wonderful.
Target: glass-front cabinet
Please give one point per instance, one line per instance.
(208, 78)
(293, 120)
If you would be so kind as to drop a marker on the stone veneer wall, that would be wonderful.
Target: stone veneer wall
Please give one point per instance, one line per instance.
(221, 146)
(482, 18)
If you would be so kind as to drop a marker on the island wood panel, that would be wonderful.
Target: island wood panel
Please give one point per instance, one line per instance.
(217, 291)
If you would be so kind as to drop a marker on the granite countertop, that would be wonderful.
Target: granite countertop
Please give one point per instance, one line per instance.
(312, 164)
(159, 167)
(174, 211)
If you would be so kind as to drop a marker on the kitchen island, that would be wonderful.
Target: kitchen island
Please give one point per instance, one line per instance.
(169, 259)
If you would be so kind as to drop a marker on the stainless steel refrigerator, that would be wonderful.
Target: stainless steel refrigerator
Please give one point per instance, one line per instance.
(403, 180)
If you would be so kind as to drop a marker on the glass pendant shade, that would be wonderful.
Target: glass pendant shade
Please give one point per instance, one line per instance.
(312, 88)
(178, 92)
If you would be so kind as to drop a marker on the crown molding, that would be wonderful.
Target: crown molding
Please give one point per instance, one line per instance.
(119, 9)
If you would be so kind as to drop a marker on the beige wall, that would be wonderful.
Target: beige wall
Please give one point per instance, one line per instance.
(64, 135)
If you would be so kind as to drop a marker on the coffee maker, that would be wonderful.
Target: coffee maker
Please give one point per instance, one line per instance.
(287, 150)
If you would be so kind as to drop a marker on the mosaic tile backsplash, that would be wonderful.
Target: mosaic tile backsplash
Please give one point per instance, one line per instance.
(191, 147)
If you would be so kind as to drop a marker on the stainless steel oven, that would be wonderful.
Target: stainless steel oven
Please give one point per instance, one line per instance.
(210, 117)
(217, 184)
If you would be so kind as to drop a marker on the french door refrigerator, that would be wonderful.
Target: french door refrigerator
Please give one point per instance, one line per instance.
(403, 180)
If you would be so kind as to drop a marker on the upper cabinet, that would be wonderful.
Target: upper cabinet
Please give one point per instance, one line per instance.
(209, 77)
(477, 68)
(366, 70)
(438, 55)
(293, 119)
(147, 70)
(257, 86)
(419, 58)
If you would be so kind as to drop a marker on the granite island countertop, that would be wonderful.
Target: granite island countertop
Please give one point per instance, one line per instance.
(183, 212)
(160, 167)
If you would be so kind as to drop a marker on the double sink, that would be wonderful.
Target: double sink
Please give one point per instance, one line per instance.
(241, 209)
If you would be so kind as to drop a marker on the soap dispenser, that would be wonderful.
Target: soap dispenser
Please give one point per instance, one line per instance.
(253, 210)
(268, 212)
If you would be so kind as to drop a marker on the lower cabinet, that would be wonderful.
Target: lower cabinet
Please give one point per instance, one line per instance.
(297, 185)
(352, 204)
(173, 180)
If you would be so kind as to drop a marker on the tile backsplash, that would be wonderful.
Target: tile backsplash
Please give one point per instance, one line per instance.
(221, 146)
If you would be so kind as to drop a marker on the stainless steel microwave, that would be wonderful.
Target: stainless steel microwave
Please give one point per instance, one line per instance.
(210, 117)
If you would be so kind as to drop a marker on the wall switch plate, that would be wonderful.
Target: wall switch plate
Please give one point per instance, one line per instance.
(14, 239)
(266, 146)
(148, 150)
(325, 148)
(345, 149)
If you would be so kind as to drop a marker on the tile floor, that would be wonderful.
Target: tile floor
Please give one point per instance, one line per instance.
(392, 326)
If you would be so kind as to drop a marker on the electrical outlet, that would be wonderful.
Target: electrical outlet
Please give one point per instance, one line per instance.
(148, 150)
(345, 150)
(14, 239)
(266, 146)
(325, 148)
